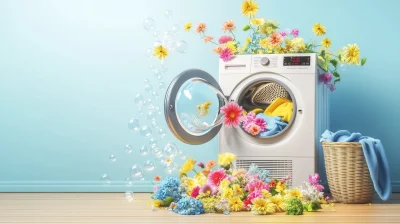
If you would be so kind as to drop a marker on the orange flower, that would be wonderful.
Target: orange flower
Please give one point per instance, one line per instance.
(210, 164)
(208, 39)
(228, 26)
(275, 39)
(201, 28)
(157, 177)
(206, 171)
(219, 49)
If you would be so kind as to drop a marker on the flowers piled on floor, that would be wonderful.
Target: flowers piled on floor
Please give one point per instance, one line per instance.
(266, 37)
(219, 187)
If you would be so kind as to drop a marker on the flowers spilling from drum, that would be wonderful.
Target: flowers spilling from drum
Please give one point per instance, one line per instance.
(266, 37)
(218, 187)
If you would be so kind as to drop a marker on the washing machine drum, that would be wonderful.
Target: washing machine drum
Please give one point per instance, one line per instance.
(267, 93)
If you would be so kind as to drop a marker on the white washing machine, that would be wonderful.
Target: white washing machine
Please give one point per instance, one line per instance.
(194, 98)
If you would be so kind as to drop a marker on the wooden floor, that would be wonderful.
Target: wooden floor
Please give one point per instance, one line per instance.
(113, 208)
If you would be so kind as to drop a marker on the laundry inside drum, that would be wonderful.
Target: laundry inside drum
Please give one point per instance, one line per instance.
(268, 109)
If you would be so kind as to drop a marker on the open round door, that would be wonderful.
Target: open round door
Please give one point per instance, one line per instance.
(192, 107)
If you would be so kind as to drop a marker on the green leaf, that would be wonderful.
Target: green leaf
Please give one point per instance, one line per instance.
(334, 63)
(336, 80)
(246, 28)
(323, 53)
(336, 74)
(340, 57)
(363, 61)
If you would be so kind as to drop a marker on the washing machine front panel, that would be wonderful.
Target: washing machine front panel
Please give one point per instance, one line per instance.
(192, 107)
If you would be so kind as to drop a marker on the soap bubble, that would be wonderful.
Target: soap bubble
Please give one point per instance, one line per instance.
(175, 28)
(156, 34)
(161, 132)
(151, 67)
(138, 97)
(154, 124)
(149, 52)
(157, 152)
(168, 14)
(105, 179)
(133, 124)
(149, 24)
(170, 150)
(144, 150)
(140, 107)
(155, 94)
(343, 67)
(129, 196)
(161, 85)
(145, 131)
(181, 46)
(149, 101)
(128, 182)
(164, 69)
(151, 114)
(112, 158)
(148, 87)
(153, 141)
(136, 171)
(158, 110)
(128, 148)
(149, 166)
(146, 81)
(170, 168)
(182, 155)
(151, 107)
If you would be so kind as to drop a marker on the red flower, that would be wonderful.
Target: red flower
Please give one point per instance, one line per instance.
(157, 178)
(201, 165)
(195, 192)
(232, 114)
(272, 183)
(215, 177)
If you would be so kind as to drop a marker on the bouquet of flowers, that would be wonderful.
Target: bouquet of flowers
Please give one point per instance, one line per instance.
(266, 37)
(218, 187)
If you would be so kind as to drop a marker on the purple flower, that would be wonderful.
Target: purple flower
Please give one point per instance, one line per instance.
(283, 33)
(207, 188)
(331, 87)
(295, 32)
(326, 78)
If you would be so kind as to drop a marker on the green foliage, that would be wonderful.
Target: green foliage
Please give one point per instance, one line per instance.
(294, 206)
(167, 201)
(334, 63)
(312, 206)
(336, 80)
(336, 74)
(323, 54)
(246, 28)
(363, 61)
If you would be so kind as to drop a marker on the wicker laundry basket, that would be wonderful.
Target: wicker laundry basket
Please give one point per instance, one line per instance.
(347, 172)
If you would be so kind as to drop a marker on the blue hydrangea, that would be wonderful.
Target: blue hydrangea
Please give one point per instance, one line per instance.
(189, 206)
(169, 187)
(263, 175)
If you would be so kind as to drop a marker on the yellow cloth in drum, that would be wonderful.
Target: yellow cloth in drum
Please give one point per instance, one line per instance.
(281, 107)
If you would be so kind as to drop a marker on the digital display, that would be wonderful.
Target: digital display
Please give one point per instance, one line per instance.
(296, 61)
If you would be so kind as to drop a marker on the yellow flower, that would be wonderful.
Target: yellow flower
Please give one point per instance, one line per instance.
(242, 49)
(351, 54)
(224, 184)
(237, 190)
(160, 52)
(236, 204)
(227, 193)
(297, 44)
(265, 194)
(157, 203)
(231, 45)
(318, 29)
(326, 42)
(200, 179)
(280, 187)
(262, 207)
(249, 8)
(226, 158)
(257, 21)
(295, 193)
(187, 166)
(277, 200)
(248, 40)
(188, 26)
(264, 43)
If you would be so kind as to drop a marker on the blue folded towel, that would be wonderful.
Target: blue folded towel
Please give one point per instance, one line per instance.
(374, 155)
(274, 125)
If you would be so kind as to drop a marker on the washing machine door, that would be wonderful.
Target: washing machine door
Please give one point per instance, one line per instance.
(192, 107)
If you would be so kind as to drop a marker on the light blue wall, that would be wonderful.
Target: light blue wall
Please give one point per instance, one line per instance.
(69, 71)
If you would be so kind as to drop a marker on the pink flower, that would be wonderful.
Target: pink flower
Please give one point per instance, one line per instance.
(283, 33)
(208, 39)
(326, 78)
(314, 179)
(319, 187)
(215, 177)
(253, 129)
(228, 26)
(295, 32)
(207, 188)
(248, 119)
(232, 114)
(275, 39)
(256, 185)
(195, 192)
(201, 165)
(261, 123)
(331, 87)
(226, 54)
(224, 39)
(155, 188)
